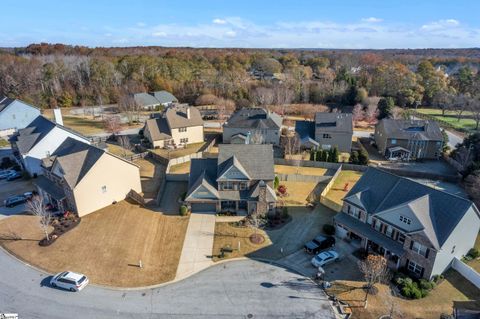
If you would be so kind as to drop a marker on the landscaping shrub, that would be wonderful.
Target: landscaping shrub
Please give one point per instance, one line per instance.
(413, 289)
(437, 278)
(276, 182)
(183, 210)
(329, 229)
(426, 284)
(473, 253)
(363, 157)
(354, 157)
(282, 189)
(182, 197)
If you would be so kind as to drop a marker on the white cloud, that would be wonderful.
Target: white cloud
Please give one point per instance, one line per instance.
(141, 24)
(219, 21)
(230, 33)
(372, 20)
(159, 34)
(440, 25)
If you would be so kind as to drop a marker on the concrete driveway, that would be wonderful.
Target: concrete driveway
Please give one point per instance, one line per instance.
(239, 289)
(169, 203)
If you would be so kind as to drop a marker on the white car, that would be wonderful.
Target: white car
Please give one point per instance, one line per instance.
(69, 280)
(324, 258)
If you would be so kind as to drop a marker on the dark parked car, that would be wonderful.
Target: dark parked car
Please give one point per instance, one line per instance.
(14, 176)
(15, 200)
(319, 243)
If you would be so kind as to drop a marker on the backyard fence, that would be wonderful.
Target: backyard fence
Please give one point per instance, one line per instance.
(326, 165)
(303, 178)
(466, 271)
(135, 157)
(324, 200)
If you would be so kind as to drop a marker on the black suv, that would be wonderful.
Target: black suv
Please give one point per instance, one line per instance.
(318, 244)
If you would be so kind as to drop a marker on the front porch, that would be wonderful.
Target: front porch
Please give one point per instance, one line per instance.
(52, 194)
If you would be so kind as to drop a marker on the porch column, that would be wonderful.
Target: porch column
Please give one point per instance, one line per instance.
(236, 206)
(398, 262)
(385, 253)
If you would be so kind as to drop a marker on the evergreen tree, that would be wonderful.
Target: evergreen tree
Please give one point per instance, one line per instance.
(354, 157)
(313, 155)
(334, 155)
(363, 157)
(385, 107)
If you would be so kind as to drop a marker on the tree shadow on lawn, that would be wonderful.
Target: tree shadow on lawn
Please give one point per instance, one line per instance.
(462, 284)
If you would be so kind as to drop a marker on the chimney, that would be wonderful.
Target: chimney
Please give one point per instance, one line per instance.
(262, 205)
(58, 116)
(188, 112)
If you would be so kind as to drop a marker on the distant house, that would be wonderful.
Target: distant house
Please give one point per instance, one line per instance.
(15, 115)
(253, 126)
(239, 180)
(165, 98)
(83, 178)
(155, 99)
(414, 226)
(177, 125)
(409, 139)
(327, 131)
(38, 140)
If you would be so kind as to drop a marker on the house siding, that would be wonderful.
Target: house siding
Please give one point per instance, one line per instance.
(342, 140)
(193, 133)
(117, 175)
(17, 115)
(270, 136)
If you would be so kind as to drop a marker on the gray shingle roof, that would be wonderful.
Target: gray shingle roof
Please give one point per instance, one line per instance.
(255, 118)
(387, 195)
(334, 122)
(28, 137)
(256, 159)
(412, 129)
(176, 116)
(158, 129)
(164, 97)
(145, 99)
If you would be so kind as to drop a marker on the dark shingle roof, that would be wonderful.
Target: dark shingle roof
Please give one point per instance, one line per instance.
(256, 159)
(255, 118)
(334, 122)
(29, 136)
(158, 129)
(388, 196)
(4, 102)
(412, 129)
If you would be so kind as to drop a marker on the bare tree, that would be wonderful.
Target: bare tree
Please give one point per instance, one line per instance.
(112, 124)
(127, 105)
(124, 142)
(255, 222)
(291, 143)
(358, 113)
(459, 105)
(257, 137)
(36, 206)
(224, 108)
(263, 96)
(375, 270)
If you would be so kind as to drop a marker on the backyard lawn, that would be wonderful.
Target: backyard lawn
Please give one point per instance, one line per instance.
(337, 191)
(106, 246)
(451, 118)
(190, 149)
(285, 169)
(84, 125)
(151, 174)
(180, 168)
(440, 299)
(118, 150)
(301, 193)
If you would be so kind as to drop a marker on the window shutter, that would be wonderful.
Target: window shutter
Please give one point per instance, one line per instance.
(421, 273)
(427, 253)
(411, 245)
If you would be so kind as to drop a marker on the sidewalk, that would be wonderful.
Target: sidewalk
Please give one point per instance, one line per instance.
(198, 245)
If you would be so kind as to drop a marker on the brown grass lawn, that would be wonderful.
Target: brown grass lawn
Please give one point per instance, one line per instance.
(106, 246)
(440, 300)
(285, 169)
(227, 235)
(118, 150)
(151, 174)
(4, 142)
(336, 193)
(301, 193)
(17, 187)
(190, 149)
(475, 264)
(180, 168)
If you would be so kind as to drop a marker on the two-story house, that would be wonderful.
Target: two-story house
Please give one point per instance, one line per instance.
(15, 115)
(414, 226)
(82, 178)
(38, 140)
(409, 139)
(326, 131)
(253, 126)
(177, 125)
(239, 180)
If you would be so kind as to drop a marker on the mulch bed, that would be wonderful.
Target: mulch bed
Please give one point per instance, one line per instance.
(60, 227)
(256, 239)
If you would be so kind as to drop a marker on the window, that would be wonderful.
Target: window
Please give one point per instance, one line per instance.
(419, 249)
(104, 189)
(405, 220)
(394, 141)
(326, 135)
(243, 186)
(389, 231)
(413, 267)
(227, 186)
(453, 249)
(401, 238)
(184, 140)
(182, 129)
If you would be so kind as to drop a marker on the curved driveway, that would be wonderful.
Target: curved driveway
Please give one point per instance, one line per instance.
(238, 289)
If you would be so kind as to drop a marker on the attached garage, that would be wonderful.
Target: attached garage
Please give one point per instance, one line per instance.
(204, 208)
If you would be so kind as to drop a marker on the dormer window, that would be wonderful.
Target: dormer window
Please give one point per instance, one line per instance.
(182, 129)
(405, 220)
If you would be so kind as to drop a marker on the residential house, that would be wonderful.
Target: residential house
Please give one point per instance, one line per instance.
(177, 125)
(414, 226)
(146, 101)
(82, 178)
(327, 131)
(38, 140)
(15, 115)
(165, 98)
(239, 180)
(409, 139)
(253, 126)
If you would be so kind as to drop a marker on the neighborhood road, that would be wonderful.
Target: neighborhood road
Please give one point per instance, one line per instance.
(238, 289)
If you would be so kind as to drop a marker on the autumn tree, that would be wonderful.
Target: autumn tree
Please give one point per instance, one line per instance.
(112, 124)
(375, 270)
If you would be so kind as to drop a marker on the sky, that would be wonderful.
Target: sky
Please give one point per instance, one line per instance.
(347, 24)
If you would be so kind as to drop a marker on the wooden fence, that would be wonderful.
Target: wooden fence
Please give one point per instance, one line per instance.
(326, 165)
(303, 178)
(324, 200)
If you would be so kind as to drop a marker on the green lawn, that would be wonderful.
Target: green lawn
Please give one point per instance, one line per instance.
(451, 118)
(4, 142)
